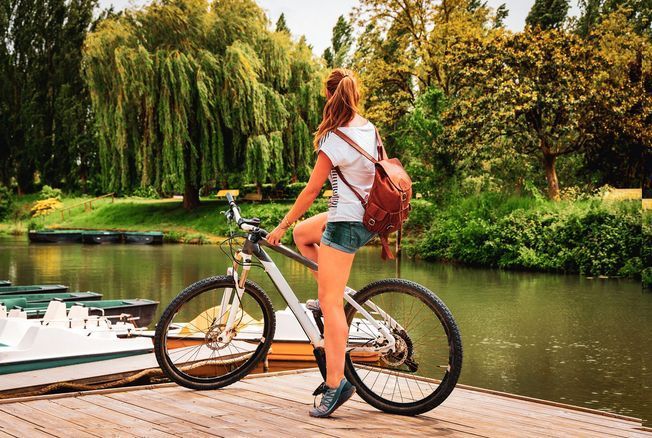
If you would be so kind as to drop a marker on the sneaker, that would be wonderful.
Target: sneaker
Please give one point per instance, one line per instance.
(332, 398)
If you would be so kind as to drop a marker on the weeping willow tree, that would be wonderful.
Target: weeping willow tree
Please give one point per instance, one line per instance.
(191, 92)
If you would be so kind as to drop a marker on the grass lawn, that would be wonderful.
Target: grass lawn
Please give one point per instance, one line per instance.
(205, 224)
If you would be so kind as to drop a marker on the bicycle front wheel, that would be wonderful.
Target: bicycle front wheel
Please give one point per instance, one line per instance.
(422, 369)
(196, 346)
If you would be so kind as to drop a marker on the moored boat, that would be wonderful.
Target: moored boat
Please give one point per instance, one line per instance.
(144, 238)
(140, 310)
(33, 289)
(101, 237)
(46, 298)
(290, 345)
(4, 283)
(55, 236)
(27, 345)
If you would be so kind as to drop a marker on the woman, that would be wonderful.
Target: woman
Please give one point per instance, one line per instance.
(340, 231)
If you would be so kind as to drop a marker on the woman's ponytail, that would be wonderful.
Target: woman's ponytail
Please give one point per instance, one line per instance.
(343, 97)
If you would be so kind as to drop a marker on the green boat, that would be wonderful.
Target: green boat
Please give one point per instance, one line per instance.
(143, 238)
(55, 236)
(33, 289)
(142, 309)
(101, 237)
(46, 298)
(4, 283)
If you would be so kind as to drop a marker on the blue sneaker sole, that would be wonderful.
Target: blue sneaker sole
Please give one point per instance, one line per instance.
(344, 396)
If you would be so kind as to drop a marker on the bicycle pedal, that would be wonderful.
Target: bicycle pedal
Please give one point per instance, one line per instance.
(313, 305)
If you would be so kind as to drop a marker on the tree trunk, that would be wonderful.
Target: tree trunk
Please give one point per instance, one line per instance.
(551, 175)
(190, 197)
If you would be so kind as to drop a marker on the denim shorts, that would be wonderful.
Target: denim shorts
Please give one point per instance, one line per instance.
(346, 236)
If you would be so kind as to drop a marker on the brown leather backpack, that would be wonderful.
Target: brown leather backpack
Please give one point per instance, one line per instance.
(388, 203)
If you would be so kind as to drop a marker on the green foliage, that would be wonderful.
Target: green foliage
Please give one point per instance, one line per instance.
(541, 94)
(589, 17)
(48, 192)
(186, 95)
(337, 54)
(589, 237)
(547, 14)
(281, 24)
(646, 249)
(6, 201)
(44, 104)
(292, 190)
(147, 192)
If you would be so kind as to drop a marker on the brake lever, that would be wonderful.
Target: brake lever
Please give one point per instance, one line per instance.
(228, 214)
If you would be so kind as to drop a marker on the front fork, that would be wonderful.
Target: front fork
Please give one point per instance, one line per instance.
(229, 318)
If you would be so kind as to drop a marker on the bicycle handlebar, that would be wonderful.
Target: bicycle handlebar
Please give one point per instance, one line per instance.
(243, 223)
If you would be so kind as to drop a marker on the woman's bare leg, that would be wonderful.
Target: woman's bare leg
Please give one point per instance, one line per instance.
(334, 270)
(307, 235)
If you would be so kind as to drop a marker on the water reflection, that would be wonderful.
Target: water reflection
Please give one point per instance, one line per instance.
(555, 337)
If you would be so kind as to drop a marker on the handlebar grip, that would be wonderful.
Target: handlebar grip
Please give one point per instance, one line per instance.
(229, 198)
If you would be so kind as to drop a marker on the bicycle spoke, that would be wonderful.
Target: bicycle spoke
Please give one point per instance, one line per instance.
(199, 348)
(414, 371)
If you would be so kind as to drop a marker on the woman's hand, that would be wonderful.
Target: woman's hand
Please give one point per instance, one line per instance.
(275, 236)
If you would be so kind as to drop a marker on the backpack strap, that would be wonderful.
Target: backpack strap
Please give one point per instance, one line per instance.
(382, 154)
(355, 192)
(386, 250)
(355, 146)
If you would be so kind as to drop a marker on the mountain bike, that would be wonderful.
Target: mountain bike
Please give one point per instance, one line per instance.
(403, 354)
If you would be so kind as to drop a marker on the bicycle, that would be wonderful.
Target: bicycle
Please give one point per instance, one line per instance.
(404, 352)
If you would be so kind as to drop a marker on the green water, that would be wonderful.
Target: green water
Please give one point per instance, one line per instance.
(562, 338)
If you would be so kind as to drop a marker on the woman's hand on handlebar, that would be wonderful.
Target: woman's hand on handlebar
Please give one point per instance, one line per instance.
(274, 238)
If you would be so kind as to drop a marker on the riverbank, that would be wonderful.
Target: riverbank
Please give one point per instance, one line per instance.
(204, 224)
(591, 237)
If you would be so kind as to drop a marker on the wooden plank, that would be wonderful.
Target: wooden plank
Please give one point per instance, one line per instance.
(49, 423)
(119, 422)
(18, 427)
(191, 401)
(277, 404)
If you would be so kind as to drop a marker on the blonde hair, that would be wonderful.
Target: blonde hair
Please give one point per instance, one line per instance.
(343, 96)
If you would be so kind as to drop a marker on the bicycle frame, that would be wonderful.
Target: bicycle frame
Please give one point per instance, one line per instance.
(253, 248)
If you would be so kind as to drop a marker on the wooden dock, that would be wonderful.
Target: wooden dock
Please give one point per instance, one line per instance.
(276, 404)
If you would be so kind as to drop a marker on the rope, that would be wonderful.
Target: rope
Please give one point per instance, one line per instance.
(150, 372)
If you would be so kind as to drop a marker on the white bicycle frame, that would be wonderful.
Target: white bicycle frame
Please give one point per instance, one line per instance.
(243, 258)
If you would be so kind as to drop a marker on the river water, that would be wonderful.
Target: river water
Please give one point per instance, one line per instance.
(556, 337)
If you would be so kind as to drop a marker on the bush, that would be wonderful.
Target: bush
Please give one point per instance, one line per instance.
(589, 237)
(148, 192)
(292, 190)
(6, 201)
(48, 192)
(45, 206)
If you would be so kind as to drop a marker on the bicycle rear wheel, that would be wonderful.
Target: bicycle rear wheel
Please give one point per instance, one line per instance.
(424, 367)
(192, 345)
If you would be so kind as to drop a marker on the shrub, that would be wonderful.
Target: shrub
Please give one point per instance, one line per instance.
(148, 192)
(45, 206)
(589, 237)
(48, 192)
(6, 201)
(292, 190)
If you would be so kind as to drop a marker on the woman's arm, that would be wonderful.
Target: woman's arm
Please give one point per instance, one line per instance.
(305, 199)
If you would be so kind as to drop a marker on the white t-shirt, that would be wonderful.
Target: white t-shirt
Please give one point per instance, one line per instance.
(359, 171)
